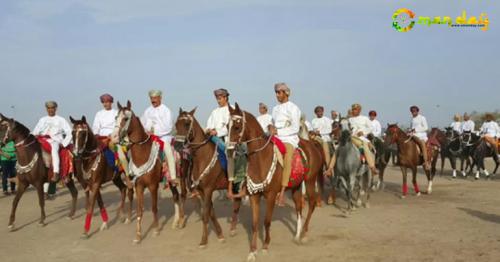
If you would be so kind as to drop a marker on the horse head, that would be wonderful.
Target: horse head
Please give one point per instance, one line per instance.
(184, 126)
(391, 134)
(345, 131)
(7, 126)
(122, 124)
(81, 132)
(237, 125)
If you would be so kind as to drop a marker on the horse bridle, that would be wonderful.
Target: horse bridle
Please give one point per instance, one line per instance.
(7, 132)
(242, 118)
(77, 151)
(123, 132)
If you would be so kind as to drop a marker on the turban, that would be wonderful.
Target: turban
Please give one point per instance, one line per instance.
(50, 104)
(106, 98)
(154, 93)
(456, 117)
(221, 92)
(414, 108)
(282, 87)
(263, 105)
(372, 113)
(319, 108)
(355, 106)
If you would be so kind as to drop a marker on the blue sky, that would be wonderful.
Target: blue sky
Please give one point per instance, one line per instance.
(331, 53)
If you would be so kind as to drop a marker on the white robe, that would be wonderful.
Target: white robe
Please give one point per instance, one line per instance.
(361, 124)
(158, 120)
(323, 125)
(456, 126)
(468, 125)
(218, 120)
(286, 117)
(104, 122)
(56, 127)
(376, 128)
(490, 129)
(419, 124)
(265, 120)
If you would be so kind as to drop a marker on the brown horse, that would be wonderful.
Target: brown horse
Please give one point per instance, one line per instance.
(92, 171)
(144, 164)
(207, 174)
(31, 169)
(264, 175)
(408, 155)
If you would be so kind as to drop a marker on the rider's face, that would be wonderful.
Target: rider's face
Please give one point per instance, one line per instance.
(281, 96)
(319, 113)
(356, 111)
(107, 105)
(221, 100)
(155, 101)
(414, 112)
(262, 110)
(51, 111)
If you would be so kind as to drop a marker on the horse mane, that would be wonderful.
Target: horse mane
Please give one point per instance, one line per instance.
(345, 136)
(20, 129)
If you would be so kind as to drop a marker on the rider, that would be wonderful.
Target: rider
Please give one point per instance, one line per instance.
(456, 125)
(419, 130)
(217, 129)
(264, 119)
(286, 117)
(104, 123)
(490, 132)
(361, 127)
(335, 116)
(58, 131)
(468, 125)
(376, 127)
(157, 120)
(322, 127)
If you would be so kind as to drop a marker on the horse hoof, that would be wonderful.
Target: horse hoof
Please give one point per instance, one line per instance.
(175, 224)
(232, 233)
(70, 217)
(11, 228)
(252, 257)
(136, 241)
(304, 240)
(181, 224)
(367, 205)
(418, 194)
(41, 224)
(127, 221)
(403, 197)
(297, 241)
(202, 246)
(265, 251)
(84, 236)
(222, 240)
(358, 203)
(104, 226)
(362, 193)
(156, 233)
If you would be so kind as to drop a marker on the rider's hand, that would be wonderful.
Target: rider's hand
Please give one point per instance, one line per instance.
(360, 133)
(213, 132)
(272, 130)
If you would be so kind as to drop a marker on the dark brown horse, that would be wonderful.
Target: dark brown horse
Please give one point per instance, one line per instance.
(408, 155)
(31, 169)
(207, 174)
(92, 171)
(264, 175)
(145, 165)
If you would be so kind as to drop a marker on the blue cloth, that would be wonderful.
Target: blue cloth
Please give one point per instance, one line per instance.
(110, 159)
(221, 150)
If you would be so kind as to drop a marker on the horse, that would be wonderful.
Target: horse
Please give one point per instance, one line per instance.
(436, 144)
(145, 165)
(479, 153)
(382, 157)
(264, 175)
(470, 140)
(31, 169)
(409, 157)
(206, 172)
(350, 172)
(92, 171)
(452, 150)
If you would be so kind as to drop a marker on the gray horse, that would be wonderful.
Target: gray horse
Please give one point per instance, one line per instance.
(350, 171)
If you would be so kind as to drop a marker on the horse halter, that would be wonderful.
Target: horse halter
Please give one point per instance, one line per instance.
(77, 151)
(123, 132)
(186, 138)
(7, 132)
(232, 120)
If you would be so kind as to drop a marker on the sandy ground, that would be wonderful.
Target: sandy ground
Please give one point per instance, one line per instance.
(460, 221)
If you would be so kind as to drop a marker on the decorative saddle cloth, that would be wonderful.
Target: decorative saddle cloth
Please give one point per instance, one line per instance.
(65, 157)
(299, 162)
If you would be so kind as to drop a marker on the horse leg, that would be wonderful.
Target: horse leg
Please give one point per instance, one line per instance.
(234, 218)
(255, 204)
(90, 210)
(462, 160)
(405, 186)
(123, 195)
(74, 197)
(205, 215)
(102, 209)
(453, 164)
(153, 189)
(297, 196)
(414, 181)
(305, 228)
(179, 209)
(20, 191)
(41, 203)
(130, 193)
(215, 223)
(139, 188)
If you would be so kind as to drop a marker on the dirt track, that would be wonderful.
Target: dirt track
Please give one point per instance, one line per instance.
(460, 221)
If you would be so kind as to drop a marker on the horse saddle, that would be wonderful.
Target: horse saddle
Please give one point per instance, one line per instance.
(65, 157)
(299, 162)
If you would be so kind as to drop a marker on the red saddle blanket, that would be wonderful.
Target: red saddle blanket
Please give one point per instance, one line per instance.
(65, 157)
(299, 163)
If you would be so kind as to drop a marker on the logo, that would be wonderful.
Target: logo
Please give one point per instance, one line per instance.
(403, 20)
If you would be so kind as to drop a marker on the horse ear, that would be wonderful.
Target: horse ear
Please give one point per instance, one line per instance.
(180, 110)
(129, 105)
(193, 111)
(84, 119)
(71, 119)
(1, 116)
(120, 107)
(237, 107)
